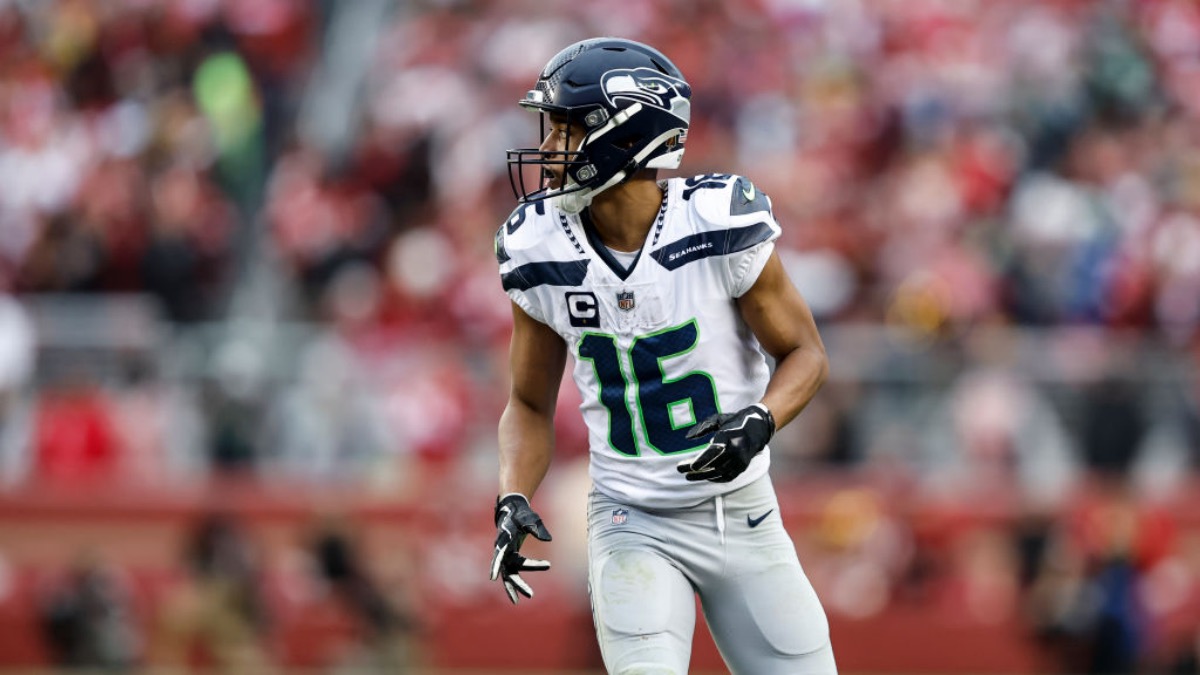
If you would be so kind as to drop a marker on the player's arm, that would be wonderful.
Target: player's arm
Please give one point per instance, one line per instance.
(784, 326)
(537, 356)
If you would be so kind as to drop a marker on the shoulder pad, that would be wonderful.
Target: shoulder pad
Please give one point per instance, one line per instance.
(534, 248)
(725, 200)
(729, 215)
(517, 232)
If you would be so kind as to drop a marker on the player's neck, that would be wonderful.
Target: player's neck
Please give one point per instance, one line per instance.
(624, 214)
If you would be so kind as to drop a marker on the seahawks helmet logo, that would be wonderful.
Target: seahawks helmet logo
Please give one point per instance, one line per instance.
(646, 85)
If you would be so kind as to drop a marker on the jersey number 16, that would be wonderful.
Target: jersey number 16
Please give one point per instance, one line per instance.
(667, 408)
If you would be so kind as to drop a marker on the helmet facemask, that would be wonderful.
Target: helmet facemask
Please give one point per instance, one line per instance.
(533, 172)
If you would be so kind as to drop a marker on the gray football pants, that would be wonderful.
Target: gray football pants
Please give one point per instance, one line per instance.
(647, 567)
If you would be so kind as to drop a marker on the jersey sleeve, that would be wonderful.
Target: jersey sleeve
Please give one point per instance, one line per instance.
(746, 213)
(512, 244)
(745, 268)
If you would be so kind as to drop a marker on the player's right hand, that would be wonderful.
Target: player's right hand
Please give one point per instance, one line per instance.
(516, 519)
(736, 439)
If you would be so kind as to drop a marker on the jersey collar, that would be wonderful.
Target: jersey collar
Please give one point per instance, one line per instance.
(593, 238)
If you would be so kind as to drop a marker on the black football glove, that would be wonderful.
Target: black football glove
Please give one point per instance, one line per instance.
(739, 437)
(515, 519)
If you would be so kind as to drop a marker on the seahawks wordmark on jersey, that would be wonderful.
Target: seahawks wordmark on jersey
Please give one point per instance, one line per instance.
(659, 345)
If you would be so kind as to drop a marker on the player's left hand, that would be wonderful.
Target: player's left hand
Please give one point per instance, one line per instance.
(737, 439)
(516, 519)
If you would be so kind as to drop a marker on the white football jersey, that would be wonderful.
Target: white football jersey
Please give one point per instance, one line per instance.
(660, 346)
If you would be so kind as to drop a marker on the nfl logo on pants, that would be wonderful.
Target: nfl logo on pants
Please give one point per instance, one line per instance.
(620, 516)
(625, 301)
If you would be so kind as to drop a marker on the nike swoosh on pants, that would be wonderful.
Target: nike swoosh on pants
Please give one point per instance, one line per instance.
(753, 522)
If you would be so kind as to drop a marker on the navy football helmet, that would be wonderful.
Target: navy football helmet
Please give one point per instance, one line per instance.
(632, 105)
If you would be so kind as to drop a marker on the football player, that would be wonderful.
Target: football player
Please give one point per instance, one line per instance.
(668, 295)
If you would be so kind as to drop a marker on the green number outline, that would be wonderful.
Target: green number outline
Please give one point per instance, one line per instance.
(663, 381)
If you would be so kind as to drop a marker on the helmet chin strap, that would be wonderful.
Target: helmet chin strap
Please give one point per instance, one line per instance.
(578, 200)
(573, 202)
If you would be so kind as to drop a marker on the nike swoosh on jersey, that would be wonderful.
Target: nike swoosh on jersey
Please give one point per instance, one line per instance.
(748, 193)
(753, 522)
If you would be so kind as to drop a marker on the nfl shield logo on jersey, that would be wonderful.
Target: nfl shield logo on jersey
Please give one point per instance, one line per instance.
(620, 516)
(625, 301)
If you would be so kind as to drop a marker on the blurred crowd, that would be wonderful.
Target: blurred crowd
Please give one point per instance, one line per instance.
(993, 209)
